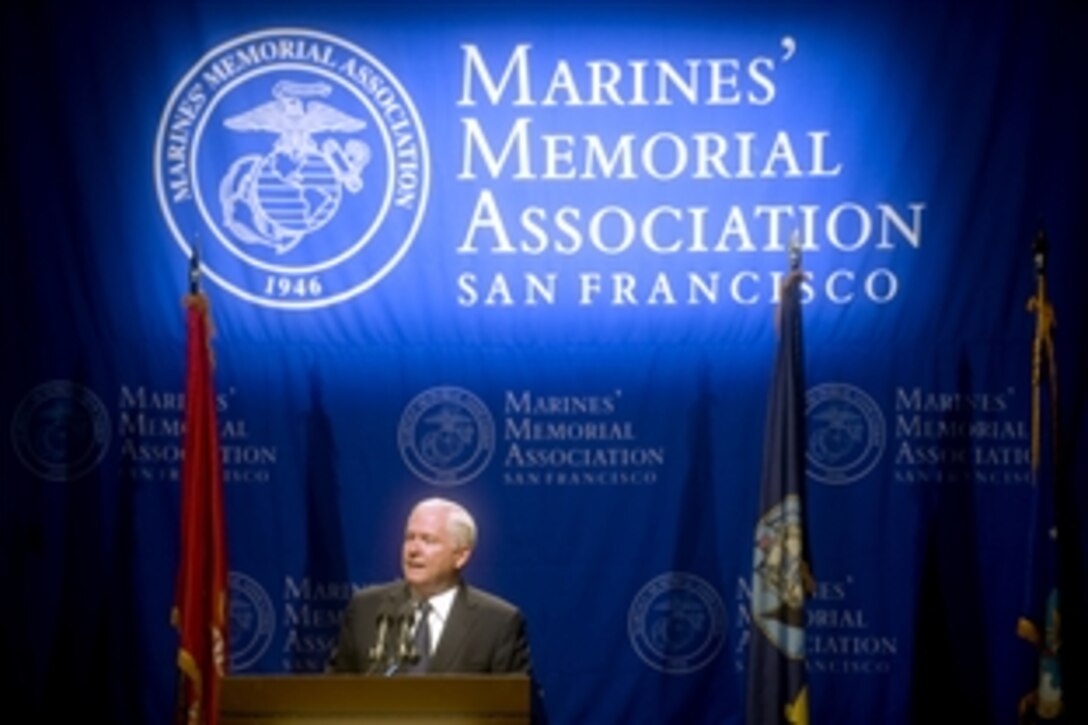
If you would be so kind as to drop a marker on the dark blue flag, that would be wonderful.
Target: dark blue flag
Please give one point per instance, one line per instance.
(777, 686)
(1040, 619)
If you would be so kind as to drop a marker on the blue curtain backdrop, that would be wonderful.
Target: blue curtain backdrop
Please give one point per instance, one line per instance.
(526, 256)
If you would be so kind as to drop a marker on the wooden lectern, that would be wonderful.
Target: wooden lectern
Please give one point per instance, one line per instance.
(342, 699)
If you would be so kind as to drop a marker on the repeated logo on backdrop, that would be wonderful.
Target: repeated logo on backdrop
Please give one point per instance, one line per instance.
(252, 621)
(446, 436)
(60, 430)
(952, 438)
(834, 632)
(846, 433)
(677, 623)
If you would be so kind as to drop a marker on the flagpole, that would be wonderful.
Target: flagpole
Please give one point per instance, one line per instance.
(181, 705)
(808, 580)
(194, 271)
(1043, 345)
(793, 277)
(1040, 623)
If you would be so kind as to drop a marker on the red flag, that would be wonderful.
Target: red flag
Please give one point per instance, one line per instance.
(200, 603)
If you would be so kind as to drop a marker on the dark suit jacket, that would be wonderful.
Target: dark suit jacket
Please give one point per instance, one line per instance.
(483, 633)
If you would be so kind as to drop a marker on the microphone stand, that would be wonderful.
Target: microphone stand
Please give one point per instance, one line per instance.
(390, 660)
(378, 654)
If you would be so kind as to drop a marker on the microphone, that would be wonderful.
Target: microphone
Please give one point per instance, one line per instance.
(378, 653)
(381, 654)
(405, 647)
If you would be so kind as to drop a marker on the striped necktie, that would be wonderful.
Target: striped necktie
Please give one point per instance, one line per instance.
(422, 638)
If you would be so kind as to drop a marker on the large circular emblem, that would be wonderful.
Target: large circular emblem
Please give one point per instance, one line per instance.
(446, 436)
(297, 165)
(846, 433)
(676, 623)
(60, 430)
(252, 621)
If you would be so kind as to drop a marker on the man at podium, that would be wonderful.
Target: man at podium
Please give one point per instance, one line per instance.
(431, 621)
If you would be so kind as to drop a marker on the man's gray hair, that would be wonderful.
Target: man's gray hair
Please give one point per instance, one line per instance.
(459, 521)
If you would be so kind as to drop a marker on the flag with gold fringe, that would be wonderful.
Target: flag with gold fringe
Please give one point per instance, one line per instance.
(200, 603)
(777, 684)
(1040, 621)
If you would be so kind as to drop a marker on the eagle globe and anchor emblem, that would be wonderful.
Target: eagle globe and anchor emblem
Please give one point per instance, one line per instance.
(263, 151)
(446, 436)
(277, 199)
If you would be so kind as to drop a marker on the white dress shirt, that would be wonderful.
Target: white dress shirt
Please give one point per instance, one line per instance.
(440, 612)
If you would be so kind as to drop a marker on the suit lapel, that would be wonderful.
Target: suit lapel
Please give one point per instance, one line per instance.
(456, 634)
